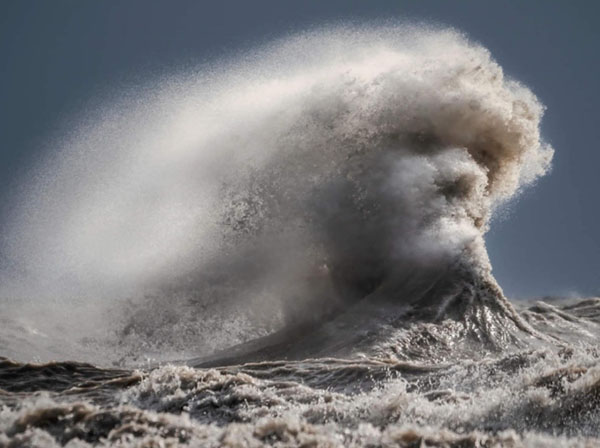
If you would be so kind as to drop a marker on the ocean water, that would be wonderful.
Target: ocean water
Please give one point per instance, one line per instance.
(286, 247)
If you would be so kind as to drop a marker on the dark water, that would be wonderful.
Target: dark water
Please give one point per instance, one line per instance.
(461, 384)
(287, 249)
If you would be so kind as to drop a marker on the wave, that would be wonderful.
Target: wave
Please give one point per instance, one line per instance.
(526, 398)
(334, 167)
(303, 228)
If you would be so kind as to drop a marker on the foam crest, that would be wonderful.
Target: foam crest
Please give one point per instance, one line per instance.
(279, 184)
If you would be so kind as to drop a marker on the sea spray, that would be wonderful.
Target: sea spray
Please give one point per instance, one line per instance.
(224, 204)
(302, 228)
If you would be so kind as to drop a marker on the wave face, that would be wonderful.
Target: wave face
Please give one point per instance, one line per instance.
(526, 398)
(211, 208)
(302, 227)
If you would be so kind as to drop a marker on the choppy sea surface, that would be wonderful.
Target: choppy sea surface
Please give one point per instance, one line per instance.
(444, 383)
(287, 249)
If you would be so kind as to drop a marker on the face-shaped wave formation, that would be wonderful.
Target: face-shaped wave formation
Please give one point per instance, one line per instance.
(276, 188)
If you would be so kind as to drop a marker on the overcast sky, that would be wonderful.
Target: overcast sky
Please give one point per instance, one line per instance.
(59, 58)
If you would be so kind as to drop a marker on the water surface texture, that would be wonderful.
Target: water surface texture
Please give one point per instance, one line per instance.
(286, 248)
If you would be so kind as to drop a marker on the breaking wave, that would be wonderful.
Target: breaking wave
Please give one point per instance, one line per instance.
(289, 246)
(275, 190)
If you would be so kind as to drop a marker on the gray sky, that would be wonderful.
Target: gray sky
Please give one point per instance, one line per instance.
(59, 57)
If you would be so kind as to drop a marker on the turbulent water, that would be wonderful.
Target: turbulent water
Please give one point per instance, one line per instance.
(287, 248)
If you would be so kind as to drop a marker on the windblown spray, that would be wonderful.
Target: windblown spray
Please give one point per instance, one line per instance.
(308, 219)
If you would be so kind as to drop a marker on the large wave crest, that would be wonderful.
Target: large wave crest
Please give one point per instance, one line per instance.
(225, 203)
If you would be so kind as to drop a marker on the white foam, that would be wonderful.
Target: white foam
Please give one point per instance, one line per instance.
(362, 147)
